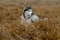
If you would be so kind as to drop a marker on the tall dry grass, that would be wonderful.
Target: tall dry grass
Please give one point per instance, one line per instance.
(12, 29)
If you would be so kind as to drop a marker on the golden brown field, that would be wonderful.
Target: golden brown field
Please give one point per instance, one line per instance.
(12, 29)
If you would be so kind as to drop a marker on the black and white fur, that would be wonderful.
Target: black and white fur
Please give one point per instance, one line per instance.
(28, 15)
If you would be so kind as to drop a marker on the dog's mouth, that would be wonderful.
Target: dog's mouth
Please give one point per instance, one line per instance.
(28, 16)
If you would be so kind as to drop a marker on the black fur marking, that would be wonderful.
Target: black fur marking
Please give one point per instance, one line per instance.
(24, 15)
(27, 9)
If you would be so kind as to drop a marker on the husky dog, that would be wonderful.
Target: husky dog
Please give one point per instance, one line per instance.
(28, 16)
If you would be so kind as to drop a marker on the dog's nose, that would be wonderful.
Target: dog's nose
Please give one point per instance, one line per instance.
(32, 14)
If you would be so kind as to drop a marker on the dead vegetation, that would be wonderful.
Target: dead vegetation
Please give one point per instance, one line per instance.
(12, 29)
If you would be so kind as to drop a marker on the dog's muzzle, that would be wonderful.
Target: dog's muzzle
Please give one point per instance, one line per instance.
(29, 16)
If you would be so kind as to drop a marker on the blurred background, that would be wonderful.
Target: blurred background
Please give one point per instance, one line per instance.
(10, 22)
(36, 2)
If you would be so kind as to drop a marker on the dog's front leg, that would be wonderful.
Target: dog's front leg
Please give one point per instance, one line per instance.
(28, 21)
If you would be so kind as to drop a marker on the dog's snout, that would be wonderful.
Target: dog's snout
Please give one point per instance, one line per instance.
(32, 14)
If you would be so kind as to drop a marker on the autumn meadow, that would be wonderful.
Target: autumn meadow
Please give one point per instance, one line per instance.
(10, 22)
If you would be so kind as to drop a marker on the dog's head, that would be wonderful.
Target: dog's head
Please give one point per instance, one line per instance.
(27, 12)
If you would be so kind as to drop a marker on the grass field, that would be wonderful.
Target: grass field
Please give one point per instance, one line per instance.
(12, 29)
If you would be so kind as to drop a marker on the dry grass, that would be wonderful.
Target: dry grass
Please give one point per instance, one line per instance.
(12, 29)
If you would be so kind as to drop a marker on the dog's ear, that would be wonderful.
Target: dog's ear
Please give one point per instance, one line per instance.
(28, 7)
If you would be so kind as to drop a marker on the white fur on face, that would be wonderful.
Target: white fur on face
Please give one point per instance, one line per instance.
(28, 13)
